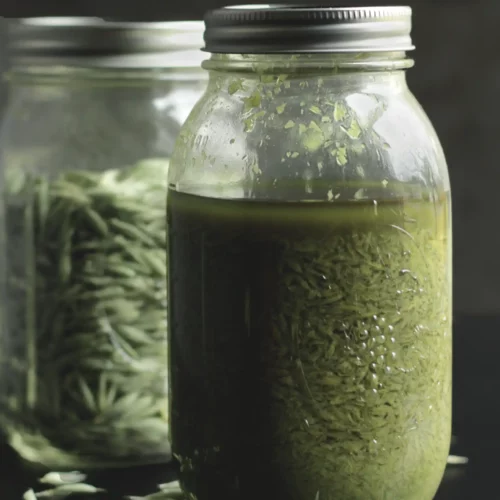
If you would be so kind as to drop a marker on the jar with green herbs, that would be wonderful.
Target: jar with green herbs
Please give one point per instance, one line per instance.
(309, 264)
(95, 107)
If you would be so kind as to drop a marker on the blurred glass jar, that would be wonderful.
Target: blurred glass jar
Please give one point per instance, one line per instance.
(94, 110)
(309, 264)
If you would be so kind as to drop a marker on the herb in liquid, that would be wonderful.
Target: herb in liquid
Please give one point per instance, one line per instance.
(310, 348)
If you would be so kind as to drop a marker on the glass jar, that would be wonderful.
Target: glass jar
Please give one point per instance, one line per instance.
(309, 265)
(93, 114)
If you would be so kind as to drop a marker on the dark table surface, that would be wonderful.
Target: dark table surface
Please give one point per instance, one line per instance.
(475, 481)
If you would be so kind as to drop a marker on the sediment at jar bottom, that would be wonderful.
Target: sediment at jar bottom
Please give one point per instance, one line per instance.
(310, 348)
(88, 322)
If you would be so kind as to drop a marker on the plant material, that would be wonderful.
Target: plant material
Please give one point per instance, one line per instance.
(94, 318)
(66, 490)
(58, 478)
(63, 491)
(314, 340)
(168, 491)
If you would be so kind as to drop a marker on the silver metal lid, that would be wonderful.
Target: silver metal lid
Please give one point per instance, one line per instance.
(275, 29)
(95, 42)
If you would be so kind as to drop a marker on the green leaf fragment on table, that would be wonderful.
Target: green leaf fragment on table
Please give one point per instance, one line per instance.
(168, 491)
(66, 490)
(158, 496)
(172, 486)
(59, 478)
(29, 495)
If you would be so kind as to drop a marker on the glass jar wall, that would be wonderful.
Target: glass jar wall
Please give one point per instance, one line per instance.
(93, 114)
(309, 265)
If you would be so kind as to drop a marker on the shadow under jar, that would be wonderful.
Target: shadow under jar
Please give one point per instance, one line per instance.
(94, 111)
(309, 265)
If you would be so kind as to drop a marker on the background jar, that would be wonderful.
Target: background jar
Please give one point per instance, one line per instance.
(93, 113)
(309, 264)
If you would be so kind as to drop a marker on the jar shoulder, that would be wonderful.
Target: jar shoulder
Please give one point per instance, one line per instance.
(250, 131)
(93, 125)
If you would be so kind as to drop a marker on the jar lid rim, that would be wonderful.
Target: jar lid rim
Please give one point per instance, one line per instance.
(282, 28)
(93, 41)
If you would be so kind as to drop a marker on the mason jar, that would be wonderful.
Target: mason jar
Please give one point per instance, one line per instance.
(309, 264)
(93, 113)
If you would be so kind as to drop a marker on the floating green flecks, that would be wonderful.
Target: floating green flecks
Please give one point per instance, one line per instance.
(339, 112)
(358, 148)
(281, 108)
(340, 154)
(253, 101)
(255, 169)
(313, 137)
(249, 123)
(354, 131)
(359, 194)
(235, 86)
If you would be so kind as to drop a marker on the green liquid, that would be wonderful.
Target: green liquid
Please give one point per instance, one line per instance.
(310, 348)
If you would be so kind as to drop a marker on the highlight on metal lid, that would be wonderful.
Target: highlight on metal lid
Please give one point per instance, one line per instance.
(96, 42)
(275, 29)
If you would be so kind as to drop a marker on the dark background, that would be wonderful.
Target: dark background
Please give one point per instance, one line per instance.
(456, 78)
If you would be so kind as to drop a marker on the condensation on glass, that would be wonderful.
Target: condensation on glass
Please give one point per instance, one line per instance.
(309, 264)
(93, 113)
